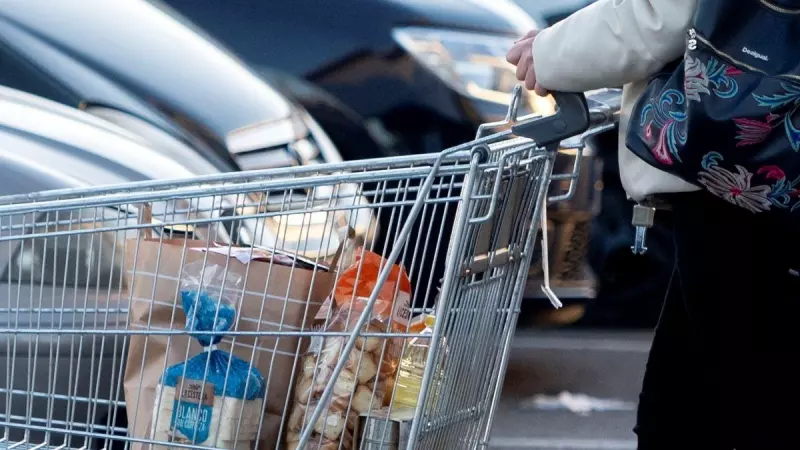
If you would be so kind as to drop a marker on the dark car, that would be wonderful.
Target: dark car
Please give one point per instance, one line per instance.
(156, 72)
(146, 71)
(423, 75)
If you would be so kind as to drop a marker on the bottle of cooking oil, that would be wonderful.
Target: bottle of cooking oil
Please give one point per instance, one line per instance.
(412, 365)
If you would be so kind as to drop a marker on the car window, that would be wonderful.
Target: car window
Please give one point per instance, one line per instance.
(16, 72)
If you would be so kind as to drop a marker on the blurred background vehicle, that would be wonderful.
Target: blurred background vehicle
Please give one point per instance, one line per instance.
(45, 146)
(169, 85)
(422, 74)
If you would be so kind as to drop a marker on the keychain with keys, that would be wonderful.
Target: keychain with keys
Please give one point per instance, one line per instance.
(643, 216)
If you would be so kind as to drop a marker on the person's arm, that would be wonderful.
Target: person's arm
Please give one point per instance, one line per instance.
(611, 43)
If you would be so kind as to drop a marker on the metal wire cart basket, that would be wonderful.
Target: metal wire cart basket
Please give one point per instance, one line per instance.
(366, 304)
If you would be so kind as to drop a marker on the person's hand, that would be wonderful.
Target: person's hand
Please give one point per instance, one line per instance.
(521, 55)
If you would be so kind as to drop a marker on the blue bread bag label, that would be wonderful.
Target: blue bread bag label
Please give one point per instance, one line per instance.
(191, 413)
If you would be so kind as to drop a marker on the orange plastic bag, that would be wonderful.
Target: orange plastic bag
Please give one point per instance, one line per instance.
(393, 300)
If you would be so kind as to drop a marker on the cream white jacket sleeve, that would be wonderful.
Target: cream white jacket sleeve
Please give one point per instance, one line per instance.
(611, 43)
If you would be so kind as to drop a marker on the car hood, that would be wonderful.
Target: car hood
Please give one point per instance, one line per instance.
(494, 16)
(149, 52)
(45, 145)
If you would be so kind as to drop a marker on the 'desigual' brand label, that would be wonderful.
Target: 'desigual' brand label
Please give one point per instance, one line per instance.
(755, 54)
(192, 411)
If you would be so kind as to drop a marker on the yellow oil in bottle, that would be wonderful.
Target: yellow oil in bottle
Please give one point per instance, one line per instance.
(412, 365)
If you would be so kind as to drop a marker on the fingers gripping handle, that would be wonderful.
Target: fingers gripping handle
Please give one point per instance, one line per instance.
(571, 119)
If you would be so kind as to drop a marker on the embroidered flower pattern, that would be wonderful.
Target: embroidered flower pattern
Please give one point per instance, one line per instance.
(665, 119)
(771, 172)
(721, 77)
(695, 78)
(709, 78)
(784, 192)
(754, 131)
(789, 99)
(736, 187)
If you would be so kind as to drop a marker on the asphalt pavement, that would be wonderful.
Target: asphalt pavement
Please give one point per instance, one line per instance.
(587, 368)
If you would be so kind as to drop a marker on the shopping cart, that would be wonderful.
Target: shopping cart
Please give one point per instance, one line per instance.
(77, 347)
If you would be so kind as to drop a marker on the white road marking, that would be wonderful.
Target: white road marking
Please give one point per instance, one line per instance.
(593, 343)
(561, 444)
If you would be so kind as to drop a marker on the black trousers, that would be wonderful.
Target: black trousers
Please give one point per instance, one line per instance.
(724, 369)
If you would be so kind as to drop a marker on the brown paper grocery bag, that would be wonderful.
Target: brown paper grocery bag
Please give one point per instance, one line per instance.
(153, 271)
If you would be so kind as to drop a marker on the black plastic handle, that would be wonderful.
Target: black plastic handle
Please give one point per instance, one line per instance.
(571, 119)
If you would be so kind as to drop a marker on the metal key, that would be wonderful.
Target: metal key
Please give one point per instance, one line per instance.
(643, 216)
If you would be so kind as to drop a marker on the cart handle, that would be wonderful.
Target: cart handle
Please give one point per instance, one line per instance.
(571, 119)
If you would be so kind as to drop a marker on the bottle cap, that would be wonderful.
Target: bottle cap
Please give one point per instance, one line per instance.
(417, 324)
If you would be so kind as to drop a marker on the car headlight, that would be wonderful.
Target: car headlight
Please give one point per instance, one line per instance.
(472, 63)
(270, 144)
(325, 149)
